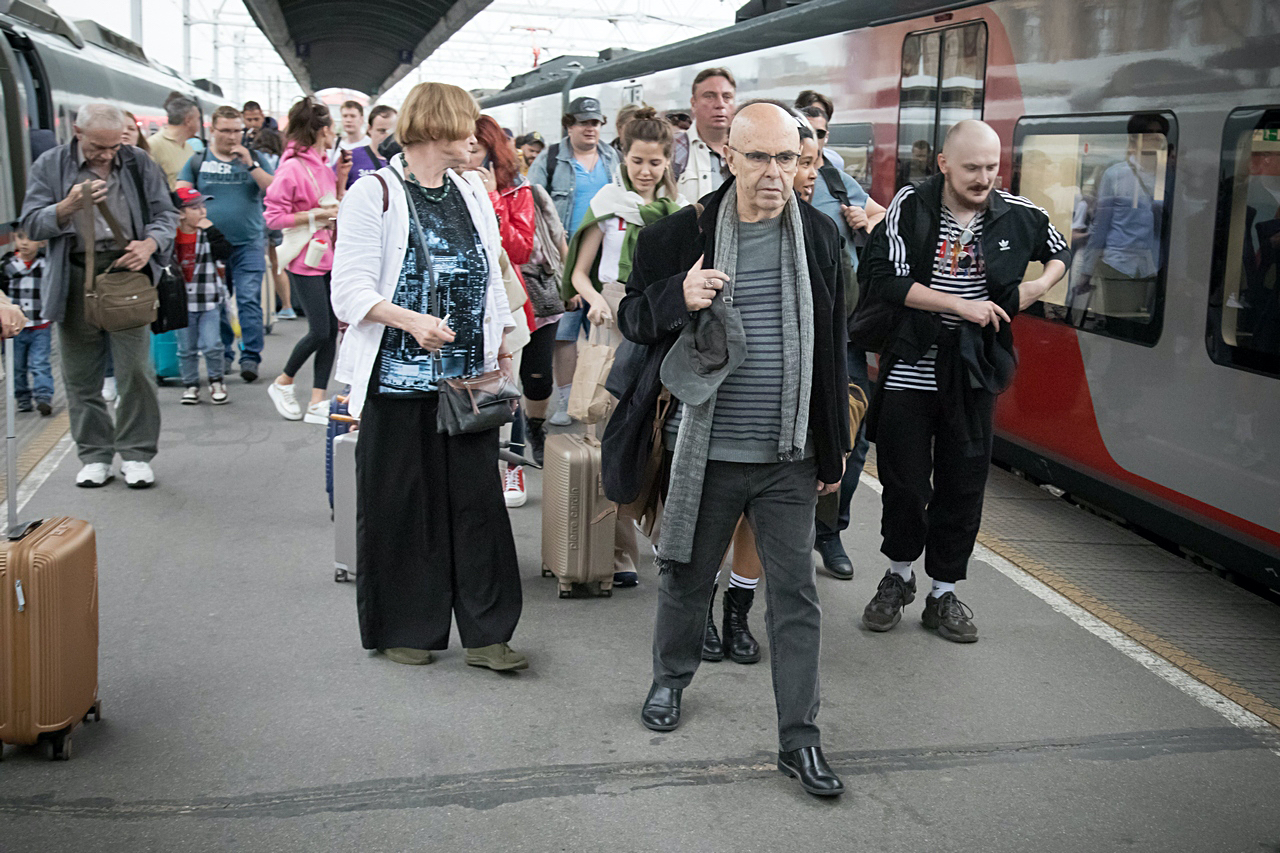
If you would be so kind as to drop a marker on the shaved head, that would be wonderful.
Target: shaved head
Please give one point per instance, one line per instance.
(763, 190)
(970, 162)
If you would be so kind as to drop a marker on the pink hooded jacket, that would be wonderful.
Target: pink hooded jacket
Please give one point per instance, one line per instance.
(302, 179)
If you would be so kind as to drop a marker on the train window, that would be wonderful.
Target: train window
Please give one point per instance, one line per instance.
(943, 82)
(854, 143)
(1244, 295)
(1106, 181)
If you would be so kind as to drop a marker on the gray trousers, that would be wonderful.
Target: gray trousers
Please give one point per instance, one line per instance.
(778, 500)
(135, 432)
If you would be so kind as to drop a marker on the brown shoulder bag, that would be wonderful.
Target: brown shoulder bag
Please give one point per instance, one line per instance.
(118, 299)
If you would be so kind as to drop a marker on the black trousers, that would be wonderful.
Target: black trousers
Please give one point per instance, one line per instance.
(434, 541)
(932, 492)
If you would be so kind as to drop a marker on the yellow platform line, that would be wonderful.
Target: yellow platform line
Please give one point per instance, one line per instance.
(1083, 598)
(39, 447)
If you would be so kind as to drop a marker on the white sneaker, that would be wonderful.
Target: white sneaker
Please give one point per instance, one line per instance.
(513, 489)
(286, 403)
(191, 396)
(93, 475)
(137, 475)
(317, 413)
(109, 392)
(218, 392)
(560, 417)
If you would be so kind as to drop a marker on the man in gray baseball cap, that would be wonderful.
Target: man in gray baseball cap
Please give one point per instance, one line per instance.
(572, 171)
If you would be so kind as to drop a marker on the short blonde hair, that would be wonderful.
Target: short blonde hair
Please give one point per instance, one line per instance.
(436, 112)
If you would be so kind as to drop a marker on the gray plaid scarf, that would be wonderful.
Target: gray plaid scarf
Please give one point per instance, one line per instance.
(693, 441)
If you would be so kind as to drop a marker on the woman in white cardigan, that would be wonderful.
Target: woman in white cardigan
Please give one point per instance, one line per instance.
(434, 541)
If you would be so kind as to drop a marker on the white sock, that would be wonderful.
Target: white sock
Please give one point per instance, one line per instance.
(740, 582)
(941, 588)
(901, 568)
(563, 390)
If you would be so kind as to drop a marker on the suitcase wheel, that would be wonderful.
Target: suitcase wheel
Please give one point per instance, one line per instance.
(60, 744)
(341, 576)
(95, 712)
(547, 573)
(606, 593)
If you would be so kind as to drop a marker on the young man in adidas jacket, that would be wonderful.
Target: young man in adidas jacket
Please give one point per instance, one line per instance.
(945, 273)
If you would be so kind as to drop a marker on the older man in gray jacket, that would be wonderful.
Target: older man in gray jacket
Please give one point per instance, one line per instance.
(135, 191)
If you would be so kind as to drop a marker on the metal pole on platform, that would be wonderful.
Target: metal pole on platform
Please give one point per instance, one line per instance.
(136, 20)
(186, 39)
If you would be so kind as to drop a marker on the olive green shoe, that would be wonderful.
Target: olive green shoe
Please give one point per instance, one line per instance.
(412, 657)
(499, 657)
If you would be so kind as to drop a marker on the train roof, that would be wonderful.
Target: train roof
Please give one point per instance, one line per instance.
(798, 23)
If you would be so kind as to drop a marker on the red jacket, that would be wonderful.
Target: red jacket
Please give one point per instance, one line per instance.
(514, 207)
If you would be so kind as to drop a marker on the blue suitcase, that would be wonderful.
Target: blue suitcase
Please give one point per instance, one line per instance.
(164, 356)
(340, 423)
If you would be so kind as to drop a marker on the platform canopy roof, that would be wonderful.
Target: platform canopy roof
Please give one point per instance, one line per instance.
(358, 44)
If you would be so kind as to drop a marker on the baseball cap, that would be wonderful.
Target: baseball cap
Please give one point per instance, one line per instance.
(530, 138)
(187, 197)
(585, 109)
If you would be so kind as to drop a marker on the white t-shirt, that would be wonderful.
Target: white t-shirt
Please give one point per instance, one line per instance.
(615, 231)
(344, 145)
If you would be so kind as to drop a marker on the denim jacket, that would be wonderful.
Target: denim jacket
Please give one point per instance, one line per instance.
(563, 178)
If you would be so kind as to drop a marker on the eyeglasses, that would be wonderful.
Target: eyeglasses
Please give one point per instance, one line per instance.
(787, 160)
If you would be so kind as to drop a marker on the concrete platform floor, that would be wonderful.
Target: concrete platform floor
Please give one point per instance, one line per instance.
(240, 712)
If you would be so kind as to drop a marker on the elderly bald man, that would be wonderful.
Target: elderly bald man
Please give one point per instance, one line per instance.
(952, 253)
(739, 300)
(127, 184)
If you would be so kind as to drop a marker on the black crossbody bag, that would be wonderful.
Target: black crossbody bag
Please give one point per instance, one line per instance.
(473, 404)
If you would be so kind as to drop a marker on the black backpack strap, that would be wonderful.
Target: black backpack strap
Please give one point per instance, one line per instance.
(835, 183)
(373, 155)
(553, 159)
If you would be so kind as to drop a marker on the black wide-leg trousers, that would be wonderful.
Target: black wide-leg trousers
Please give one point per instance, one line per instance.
(933, 492)
(434, 540)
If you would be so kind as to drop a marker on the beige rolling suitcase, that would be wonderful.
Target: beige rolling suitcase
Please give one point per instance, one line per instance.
(577, 519)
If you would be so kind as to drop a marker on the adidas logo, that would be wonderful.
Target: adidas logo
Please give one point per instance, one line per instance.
(1004, 245)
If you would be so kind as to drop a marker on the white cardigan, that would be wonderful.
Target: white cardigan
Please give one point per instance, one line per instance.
(367, 262)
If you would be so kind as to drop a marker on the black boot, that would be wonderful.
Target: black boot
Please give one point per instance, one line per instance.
(743, 647)
(537, 438)
(712, 648)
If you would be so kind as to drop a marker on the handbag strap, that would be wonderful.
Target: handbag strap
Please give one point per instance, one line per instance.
(423, 253)
(87, 235)
(114, 224)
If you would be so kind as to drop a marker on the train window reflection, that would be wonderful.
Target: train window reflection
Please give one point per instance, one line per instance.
(1244, 297)
(1106, 181)
(855, 144)
(943, 82)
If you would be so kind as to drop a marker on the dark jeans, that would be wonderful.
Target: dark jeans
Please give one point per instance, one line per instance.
(32, 372)
(853, 468)
(932, 491)
(321, 339)
(245, 269)
(778, 500)
(433, 538)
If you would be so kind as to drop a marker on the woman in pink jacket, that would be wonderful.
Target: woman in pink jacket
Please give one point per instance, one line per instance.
(303, 203)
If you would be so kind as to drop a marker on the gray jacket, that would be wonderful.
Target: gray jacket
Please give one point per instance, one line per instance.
(563, 179)
(50, 181)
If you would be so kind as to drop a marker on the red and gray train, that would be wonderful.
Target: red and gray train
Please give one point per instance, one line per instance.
(1149, 380)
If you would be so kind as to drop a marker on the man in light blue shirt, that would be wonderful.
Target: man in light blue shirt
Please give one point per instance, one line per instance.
(572, 171)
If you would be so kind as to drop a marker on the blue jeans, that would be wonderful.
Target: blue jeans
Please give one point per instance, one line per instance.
(245, 268)
(200, 335)
(31, 353)
(853, 468)
(572, 324)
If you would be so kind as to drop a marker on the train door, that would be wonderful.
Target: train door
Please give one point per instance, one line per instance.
(943, 82)
(13, 149)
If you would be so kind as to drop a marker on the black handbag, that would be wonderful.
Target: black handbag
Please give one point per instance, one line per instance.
(172, 290)
(468, 404)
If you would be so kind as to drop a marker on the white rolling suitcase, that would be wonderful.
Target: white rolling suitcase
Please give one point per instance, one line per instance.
(344, 506)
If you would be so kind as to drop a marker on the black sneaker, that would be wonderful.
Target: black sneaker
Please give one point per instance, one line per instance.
(893, 594)
(950, 616)
(249, 372)
(44, 408)
(26, 406)
(537, 436)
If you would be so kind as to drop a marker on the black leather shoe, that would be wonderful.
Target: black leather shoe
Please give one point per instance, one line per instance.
(742, 647)
(808, 765)
(661, 711)
(712, 646)
(834, 559)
